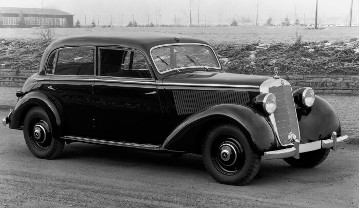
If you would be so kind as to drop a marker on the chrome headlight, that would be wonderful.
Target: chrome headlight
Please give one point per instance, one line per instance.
(269, 103)
(308, 97)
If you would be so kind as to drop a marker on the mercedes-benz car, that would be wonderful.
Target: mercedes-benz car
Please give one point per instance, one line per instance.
(166, 93)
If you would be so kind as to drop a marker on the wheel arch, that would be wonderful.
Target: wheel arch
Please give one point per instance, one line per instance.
(36, 99)
(189, 135)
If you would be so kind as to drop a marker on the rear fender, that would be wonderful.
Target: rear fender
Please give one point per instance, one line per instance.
(34, 99)
(257, 128)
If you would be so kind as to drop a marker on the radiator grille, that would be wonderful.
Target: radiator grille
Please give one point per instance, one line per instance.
(285, 114)
(188, 102)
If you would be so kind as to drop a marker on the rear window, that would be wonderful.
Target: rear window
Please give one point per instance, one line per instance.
(75, 61)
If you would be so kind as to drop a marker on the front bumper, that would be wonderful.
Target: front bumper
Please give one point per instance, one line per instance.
(6, 120)
(307, 147)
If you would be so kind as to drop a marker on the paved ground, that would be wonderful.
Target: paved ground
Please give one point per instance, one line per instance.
(100, 176)
(8, 97)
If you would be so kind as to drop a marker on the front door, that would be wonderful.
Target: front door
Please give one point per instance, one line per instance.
(127, 103)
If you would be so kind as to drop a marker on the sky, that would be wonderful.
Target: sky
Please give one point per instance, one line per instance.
(203, 11)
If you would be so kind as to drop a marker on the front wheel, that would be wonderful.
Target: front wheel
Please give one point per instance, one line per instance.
(39, 135)
(228, 156)
(308, 159)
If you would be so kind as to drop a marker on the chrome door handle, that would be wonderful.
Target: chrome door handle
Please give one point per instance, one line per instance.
(151, 93)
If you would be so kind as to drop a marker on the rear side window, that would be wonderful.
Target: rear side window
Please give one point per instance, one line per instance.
(123, 63)
(75, 61)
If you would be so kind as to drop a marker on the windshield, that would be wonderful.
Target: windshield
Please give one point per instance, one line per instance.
(176, 57)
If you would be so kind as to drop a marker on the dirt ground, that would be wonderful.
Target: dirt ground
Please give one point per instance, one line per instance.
(100, 176)
(214, 35)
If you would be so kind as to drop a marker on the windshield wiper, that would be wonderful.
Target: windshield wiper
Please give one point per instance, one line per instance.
(191, 59)
(163, 61)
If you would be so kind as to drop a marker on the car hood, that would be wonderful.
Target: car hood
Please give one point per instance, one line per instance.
(216, 79)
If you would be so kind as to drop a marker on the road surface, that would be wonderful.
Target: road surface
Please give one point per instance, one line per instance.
(100, 176)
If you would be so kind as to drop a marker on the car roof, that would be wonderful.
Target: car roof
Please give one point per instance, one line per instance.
(140, 40)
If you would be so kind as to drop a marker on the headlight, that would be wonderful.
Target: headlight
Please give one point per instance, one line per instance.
(269, 103)
(308, 97)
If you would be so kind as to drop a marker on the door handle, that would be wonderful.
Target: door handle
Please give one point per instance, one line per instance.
(151, 93)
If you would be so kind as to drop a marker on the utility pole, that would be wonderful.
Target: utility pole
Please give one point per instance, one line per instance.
(257, 14)
(316, 16)
(85, 20)
(190, 13)
(199, 3)
(98, 21)
(351, 14)
(111, 20)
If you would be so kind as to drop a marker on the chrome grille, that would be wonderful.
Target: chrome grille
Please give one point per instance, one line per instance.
(285, 115)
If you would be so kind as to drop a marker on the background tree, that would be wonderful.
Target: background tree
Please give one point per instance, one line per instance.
(132, 23)
(234, 23)
(22, 22)
(286, 22)
(93, 24)
(297, 22)
(78, 24)
(269, 22)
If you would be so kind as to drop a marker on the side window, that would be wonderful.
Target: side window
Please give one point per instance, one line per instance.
(123, 63)
(75, 61)
(50, 64)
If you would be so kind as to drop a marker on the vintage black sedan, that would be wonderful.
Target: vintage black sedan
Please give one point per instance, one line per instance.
(167, 93)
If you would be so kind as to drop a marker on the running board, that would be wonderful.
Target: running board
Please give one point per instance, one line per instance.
(113, 143)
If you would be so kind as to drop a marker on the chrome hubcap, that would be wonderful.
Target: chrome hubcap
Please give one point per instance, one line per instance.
(227, 154)
(39, 133)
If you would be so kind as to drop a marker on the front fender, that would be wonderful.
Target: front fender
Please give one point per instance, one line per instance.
(319, 123)
(257, 127)
(33, 99)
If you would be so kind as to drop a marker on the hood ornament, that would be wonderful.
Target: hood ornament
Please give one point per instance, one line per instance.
(276, 76)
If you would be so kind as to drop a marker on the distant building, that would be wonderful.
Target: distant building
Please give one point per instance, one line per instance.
(32, 17)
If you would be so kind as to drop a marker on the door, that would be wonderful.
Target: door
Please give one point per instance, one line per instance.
(127, 103)
(72, 86)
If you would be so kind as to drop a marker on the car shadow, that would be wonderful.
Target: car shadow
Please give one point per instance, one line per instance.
(271, 171)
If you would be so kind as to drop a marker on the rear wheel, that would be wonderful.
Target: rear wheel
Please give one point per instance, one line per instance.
(228, 156)
(39, 135)
(308, 159)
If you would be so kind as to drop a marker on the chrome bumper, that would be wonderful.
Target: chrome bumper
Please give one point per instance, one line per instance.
(6, 120)
(308, 147)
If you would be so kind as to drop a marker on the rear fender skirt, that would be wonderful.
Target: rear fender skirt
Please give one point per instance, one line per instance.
(260, 131)
(318, 122)
(32, 99)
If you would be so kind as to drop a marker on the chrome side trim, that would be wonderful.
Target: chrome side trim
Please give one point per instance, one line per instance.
(210, 85)
(112, 143)
(308, 147)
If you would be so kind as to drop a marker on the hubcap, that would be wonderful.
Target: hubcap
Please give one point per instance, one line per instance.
(41, 135)
(229, 156)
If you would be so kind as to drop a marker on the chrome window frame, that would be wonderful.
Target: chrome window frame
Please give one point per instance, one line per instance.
(179, 44)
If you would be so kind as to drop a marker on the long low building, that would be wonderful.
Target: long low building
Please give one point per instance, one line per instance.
(32, 17)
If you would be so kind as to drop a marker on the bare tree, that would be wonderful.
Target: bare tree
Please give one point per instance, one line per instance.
(316, 16)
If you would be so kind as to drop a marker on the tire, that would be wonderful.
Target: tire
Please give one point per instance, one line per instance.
(39, 135)
(308, 159)
(228, 156)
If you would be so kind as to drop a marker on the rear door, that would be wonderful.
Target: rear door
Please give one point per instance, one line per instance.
(128, 106)
(72, 86)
